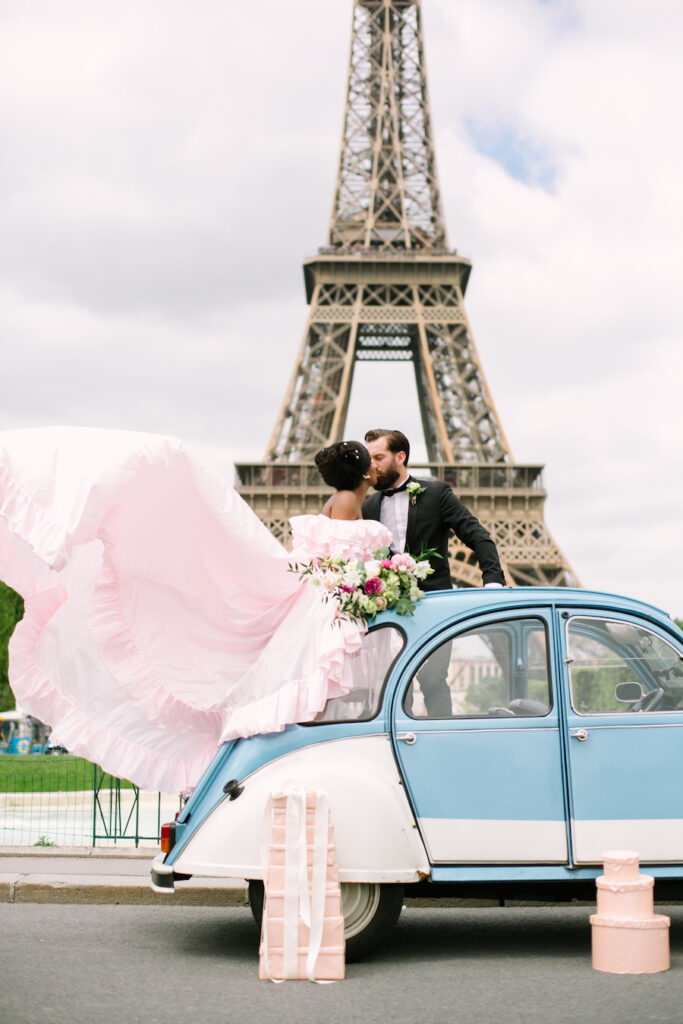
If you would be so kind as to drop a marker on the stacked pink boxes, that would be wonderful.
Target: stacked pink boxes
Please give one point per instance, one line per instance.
(303, 928)
(628, 937)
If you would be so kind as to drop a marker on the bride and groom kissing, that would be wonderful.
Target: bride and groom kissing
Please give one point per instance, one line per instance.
(419, 513)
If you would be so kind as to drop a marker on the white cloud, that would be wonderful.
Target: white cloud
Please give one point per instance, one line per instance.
(169, 169)
(574, 293)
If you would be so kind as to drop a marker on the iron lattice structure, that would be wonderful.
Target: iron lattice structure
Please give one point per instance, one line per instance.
(386, 287)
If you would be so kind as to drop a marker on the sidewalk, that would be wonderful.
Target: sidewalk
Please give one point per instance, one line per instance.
(30, 874)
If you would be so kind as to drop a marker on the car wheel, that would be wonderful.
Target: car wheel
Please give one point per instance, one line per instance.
(370, 910)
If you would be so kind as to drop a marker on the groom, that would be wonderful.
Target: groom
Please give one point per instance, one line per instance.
(423, 513)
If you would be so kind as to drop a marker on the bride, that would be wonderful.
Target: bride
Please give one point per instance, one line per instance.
(161, 617)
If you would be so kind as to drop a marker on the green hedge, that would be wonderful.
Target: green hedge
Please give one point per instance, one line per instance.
(49, 773)
(11, 611)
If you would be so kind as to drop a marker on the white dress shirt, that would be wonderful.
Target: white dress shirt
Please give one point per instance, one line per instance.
(393, 513)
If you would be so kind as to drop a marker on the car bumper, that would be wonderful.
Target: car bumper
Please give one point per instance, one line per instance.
(164, 877)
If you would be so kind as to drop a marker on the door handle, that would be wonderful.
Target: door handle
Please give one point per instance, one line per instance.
(406, 737)
(579, 734)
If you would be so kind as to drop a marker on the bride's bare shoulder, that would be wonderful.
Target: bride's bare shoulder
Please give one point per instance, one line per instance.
(342, 505)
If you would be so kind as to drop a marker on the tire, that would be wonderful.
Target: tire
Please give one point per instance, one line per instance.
(371, 911)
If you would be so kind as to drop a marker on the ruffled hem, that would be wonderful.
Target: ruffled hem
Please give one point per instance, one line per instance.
(25, 519)
(79, 733)
(148, 692)
(300, 700)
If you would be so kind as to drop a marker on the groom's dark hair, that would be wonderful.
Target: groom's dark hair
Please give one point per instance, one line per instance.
(396, 440)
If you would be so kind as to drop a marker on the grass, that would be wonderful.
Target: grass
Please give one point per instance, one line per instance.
(40, 773)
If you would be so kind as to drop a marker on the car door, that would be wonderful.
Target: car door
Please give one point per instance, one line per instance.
(623, 680)
(476, 733)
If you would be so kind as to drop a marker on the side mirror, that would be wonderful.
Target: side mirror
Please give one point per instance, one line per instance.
(628, 693)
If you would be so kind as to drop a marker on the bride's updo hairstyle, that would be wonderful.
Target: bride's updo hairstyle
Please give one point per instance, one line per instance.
(343, 465)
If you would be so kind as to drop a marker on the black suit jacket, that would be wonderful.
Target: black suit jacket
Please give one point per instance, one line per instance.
(431, 518)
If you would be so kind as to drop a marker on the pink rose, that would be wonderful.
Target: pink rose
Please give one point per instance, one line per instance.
(374, 586)
(402, 561)
(381, 604)
(347, 589)
(386, 563)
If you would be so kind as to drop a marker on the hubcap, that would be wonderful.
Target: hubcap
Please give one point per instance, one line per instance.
(359, 906)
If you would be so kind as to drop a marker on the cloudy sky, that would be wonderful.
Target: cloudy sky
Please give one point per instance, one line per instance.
(167, 166)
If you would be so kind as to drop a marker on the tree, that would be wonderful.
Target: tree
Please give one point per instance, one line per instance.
(491, 691)
(11, 611)
(593, 688)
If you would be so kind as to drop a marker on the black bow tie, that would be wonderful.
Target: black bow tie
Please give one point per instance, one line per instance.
(396, 490)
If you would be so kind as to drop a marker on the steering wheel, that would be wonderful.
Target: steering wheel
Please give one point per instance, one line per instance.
(648, 701)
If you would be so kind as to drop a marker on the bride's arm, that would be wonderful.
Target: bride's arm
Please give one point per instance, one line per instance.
(344, 506)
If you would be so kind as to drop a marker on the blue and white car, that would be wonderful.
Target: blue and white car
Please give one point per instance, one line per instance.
(500, 743)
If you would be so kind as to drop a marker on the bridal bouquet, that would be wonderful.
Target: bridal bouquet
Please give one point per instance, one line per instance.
(363, 588)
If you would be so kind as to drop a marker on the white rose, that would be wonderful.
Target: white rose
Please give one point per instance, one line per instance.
(352, 578)
(372, 568)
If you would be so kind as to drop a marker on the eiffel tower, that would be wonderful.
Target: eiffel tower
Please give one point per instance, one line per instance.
(387, 287)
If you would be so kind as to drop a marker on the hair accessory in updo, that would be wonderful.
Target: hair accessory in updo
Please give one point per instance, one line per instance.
(349, 451)
(343, 464)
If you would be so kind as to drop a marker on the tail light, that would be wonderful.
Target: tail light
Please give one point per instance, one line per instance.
(167, 836)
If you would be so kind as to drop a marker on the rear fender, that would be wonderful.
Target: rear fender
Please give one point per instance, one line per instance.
(375, 832)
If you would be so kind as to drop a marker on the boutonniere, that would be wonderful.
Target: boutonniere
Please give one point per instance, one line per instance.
(414, 489)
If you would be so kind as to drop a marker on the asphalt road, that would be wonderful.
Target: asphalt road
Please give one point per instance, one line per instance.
(178, 965)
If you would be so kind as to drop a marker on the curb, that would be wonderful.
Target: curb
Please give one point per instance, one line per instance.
(64, 881)
(115, 889)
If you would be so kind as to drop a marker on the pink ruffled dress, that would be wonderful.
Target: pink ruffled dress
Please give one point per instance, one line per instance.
(161, 616)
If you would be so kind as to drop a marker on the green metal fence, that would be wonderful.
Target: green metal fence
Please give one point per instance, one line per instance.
(61, 800)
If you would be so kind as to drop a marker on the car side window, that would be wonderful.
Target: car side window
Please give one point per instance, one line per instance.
(369, 668)
(498, 670)
(616, 666)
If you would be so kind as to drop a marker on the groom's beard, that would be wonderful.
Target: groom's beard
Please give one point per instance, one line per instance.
(386, 480)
